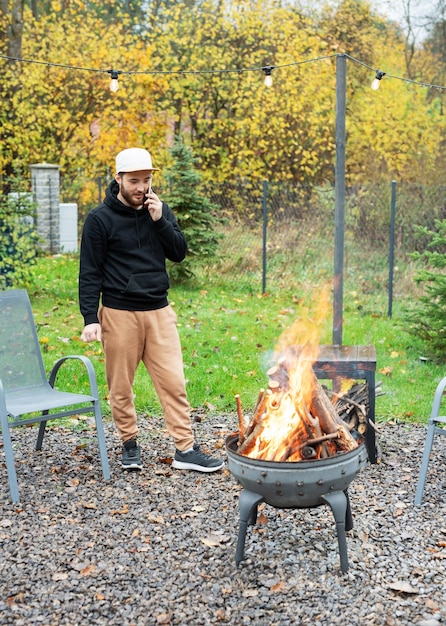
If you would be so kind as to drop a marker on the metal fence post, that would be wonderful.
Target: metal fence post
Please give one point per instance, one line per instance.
(338, 288)
(265, 195)
(391, 246)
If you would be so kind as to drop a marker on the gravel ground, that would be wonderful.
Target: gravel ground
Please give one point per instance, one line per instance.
(158, 547)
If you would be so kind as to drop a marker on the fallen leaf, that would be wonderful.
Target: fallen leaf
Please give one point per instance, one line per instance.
(278, 587)
(87, 571)
(59, 576)
(19, 597)
(210, 541)
(262, 519)
(250, 593)
(198, 508)
(5, 522)
(155, 519)
(403, 586)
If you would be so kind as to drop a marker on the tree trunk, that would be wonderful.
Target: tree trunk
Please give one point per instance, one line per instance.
(11, 14)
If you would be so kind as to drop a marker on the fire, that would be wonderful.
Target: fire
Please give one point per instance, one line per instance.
(294, 420)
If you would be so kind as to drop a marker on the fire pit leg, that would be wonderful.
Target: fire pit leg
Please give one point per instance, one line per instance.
(348, 514)
(340, 506)
(248, 503)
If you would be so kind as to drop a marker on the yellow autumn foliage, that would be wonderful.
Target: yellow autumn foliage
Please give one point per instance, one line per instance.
(196, 70)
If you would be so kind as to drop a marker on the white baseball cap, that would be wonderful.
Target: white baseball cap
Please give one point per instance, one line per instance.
(134, 160)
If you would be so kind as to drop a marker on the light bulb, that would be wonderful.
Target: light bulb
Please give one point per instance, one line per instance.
(377, 80)
(114, 85)
(268, 70)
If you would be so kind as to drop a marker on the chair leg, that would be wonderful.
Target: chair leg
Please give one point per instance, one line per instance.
(10, 465)
(425, 462)
(101, 440)
(40, 435)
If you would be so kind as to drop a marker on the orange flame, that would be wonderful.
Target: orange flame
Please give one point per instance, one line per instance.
(284, 425)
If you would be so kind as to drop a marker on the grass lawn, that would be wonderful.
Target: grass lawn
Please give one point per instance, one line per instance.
(229, 331)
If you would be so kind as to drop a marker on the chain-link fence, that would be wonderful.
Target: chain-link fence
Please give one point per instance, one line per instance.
(269, 229)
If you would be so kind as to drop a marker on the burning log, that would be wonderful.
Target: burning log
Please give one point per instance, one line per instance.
(293, 424)
(241, 420)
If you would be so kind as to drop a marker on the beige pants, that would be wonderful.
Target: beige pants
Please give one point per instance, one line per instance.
(129, 337)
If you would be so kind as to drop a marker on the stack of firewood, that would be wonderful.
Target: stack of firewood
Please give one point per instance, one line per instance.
(313, 428)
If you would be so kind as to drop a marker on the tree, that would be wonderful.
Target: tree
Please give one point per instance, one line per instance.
(59, 115)
(234, 122)
(195, 213)
(428, 318)
(11, 27)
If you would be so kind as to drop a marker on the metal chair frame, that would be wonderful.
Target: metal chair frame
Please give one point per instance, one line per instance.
(27, 396)
(433, 428)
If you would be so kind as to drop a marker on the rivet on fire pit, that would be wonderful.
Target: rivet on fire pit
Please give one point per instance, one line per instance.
(258, 481)
(343, 470)
(278, 483)
(320, 481)
(300, 483)
(264, 474)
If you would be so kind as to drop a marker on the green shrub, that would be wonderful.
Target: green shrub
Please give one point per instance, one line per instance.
(428, 316)
(18, 239)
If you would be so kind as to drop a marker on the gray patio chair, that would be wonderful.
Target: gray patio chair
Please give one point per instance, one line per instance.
(434, 428)
(26, 395)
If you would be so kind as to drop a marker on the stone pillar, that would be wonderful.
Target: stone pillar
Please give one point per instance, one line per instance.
(45, 179)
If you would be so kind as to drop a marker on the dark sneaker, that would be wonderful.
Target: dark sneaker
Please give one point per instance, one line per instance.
(131, 455)
(196, 460)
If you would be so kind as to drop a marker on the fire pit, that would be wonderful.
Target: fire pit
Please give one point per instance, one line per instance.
(295, 485)
(295, 451)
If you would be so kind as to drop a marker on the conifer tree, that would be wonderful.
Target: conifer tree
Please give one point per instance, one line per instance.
(195, 213)
(428, 317)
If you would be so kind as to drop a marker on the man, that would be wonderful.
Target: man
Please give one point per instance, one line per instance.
(125, 243)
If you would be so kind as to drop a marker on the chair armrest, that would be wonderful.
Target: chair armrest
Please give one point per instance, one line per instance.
(90, 371)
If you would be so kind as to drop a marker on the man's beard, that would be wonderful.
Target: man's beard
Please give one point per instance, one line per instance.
(130, 199)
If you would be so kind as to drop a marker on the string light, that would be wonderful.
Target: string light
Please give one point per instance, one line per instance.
(114, 85)
(268, 70)
(377, 80)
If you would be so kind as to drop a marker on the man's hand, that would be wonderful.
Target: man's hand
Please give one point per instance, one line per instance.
(91, 332)
(154, 206)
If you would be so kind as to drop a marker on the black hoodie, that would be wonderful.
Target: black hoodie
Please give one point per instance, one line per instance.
(123, 256)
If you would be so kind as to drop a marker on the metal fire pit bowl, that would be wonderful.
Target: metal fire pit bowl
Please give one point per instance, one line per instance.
(304, 484)
(294, 485)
